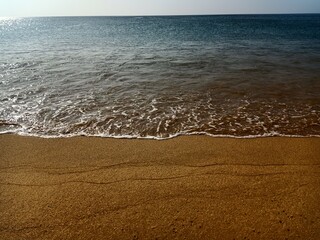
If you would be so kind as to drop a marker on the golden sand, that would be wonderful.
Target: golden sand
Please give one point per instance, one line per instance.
(193, 187)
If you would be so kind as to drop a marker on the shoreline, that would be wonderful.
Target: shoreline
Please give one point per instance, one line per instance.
(199, 134)
(186, 187)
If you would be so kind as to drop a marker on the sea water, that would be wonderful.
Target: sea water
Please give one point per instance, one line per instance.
(161, 76)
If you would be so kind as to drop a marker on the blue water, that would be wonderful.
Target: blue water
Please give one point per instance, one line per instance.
(239, 75)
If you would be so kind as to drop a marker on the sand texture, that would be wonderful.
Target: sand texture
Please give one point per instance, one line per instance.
(193, 187)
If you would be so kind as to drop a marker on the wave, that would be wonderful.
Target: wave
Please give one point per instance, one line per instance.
(171, 136)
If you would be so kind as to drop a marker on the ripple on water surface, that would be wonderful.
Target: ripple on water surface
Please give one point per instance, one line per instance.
(159, 77)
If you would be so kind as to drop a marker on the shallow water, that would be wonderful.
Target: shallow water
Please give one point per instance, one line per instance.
(158, 77)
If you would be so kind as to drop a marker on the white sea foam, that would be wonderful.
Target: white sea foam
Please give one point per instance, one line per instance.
(102, 135)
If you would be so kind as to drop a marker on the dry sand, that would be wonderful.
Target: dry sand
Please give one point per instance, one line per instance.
(185, 188)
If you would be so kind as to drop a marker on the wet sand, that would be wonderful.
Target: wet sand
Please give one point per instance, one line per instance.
(193, 187)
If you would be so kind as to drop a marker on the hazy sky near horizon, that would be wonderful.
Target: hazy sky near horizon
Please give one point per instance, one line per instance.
(18, 8)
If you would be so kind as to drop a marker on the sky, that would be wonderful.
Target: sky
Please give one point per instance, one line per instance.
(22, 8)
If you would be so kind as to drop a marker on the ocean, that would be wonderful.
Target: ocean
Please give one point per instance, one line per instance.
(161, 76)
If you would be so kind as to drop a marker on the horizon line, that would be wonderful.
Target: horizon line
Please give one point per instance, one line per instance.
(166, 15)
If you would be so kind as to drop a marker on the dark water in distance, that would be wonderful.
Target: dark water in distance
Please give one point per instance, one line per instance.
(240, 75)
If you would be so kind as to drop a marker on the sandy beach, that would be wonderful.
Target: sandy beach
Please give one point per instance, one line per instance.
(192, 187)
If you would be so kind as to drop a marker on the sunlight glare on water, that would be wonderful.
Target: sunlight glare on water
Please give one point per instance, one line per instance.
(158, 77)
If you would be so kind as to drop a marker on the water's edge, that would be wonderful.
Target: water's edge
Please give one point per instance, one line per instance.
(158, 138)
